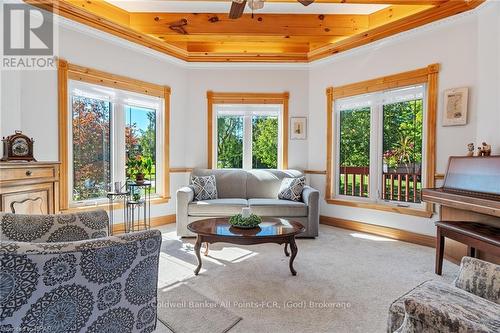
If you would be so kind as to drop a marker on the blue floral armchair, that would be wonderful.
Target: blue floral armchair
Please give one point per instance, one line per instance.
(63, 273)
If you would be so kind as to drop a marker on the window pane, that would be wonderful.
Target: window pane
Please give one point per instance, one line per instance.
(354, 152)
(140, 143)
(91, 147)
(402, 157)
(265, 142)
(229, 141)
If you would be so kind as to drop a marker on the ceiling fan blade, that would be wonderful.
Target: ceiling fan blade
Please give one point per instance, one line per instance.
(237, 9)
(306, 2)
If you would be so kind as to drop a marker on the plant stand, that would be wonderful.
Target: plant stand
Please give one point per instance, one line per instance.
(138, 209)
(116, 197)
(136, 213)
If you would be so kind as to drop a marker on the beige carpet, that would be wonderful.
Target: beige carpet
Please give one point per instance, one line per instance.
(182, 309)
(345, 282)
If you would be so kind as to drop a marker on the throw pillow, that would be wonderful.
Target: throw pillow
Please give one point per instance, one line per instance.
(205, 188)
(291, 188)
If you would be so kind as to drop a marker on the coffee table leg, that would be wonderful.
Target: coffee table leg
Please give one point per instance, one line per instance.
(286, 250)
(206, 250)
(197, 248)
(294, 249)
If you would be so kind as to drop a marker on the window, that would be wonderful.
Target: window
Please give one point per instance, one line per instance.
(381, 142)
(110, 128)
(106, 120)
(247, 136)
(91, 129)
(141, 138)
(247, 130)
(389, 170)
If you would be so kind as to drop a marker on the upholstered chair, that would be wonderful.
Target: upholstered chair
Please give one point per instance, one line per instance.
(63, 273)
(470, 304)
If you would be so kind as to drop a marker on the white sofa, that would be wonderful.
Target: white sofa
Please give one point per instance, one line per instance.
(257, 189)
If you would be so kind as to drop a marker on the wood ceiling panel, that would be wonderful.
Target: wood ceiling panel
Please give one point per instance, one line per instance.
(265, 37)
(268, 24)
(250, 39)
(248, 47)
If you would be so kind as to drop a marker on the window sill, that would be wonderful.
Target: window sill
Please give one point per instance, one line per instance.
(427, 213)
(116, 205)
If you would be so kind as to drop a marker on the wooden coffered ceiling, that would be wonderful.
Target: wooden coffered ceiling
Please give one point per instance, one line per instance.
(277, 36)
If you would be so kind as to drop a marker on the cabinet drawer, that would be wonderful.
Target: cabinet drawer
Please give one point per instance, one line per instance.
(26, 173)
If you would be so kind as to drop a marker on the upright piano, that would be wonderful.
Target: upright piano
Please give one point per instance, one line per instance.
(470, 193)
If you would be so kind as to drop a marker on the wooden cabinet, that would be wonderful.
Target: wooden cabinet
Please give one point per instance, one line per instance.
(29, 187)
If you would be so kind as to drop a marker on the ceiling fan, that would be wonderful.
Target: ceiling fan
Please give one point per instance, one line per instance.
(238, 6)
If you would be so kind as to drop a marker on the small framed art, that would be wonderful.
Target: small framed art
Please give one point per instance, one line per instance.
(298, 128)
(455, 106)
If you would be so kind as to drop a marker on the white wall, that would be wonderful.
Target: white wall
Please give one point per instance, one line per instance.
(10, 117)
(488, 74)
(467, 47)
(295, 81)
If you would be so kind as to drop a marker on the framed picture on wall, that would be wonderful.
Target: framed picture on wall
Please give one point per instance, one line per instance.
(298, 128)
(455, 106)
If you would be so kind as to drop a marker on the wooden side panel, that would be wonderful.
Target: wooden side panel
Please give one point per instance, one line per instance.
(29, 187)
(35, 199)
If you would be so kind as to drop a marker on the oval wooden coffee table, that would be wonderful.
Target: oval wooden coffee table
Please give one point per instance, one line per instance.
(271, 230)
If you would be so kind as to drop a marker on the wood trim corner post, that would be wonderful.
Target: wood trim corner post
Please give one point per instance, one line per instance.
(166, 141)
(62, 85)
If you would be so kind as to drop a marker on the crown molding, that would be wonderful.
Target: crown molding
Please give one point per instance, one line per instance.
(92, 32)
(403, 36)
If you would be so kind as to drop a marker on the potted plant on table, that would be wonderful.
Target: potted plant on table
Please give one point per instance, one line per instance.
(138, 168)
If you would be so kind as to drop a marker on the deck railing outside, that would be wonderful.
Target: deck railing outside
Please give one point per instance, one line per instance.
(397, 185)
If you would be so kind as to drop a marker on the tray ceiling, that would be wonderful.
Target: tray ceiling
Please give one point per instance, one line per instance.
(283, 31)
(270, 7)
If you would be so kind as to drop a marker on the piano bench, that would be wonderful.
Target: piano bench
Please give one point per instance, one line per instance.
(475, 235)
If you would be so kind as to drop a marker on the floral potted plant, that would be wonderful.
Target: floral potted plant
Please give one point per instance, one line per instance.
(139, 167)
(390, 161)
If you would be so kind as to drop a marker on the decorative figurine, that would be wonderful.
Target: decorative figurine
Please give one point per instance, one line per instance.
(470, 149)
(484, 150)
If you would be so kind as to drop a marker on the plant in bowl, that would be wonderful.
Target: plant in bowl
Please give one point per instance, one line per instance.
(250, 222)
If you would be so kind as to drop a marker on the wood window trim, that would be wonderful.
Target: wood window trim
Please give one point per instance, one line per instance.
(68, 71)
(427, 75)
(247, 98)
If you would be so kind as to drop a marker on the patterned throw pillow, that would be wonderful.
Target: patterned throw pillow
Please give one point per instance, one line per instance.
(291, 188)
(205, 188)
